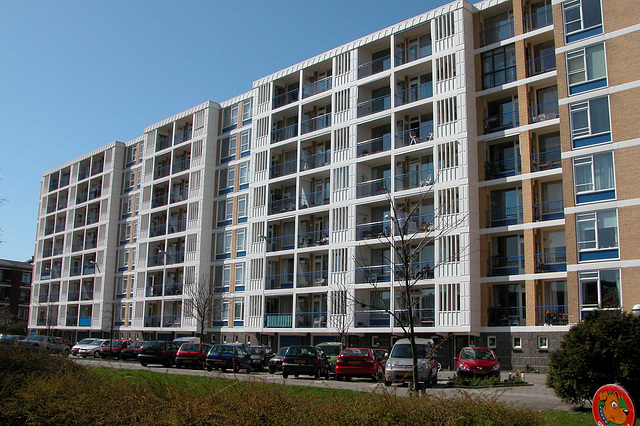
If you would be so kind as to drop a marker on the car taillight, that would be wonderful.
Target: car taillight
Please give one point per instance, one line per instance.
(316, 361)
(285, 359)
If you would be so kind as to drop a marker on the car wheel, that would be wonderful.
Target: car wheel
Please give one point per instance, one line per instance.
(142, 363)
(249, 369)
(347, 378)
(387, 383)
(272, 370)
(65, 353)
(178, 365)
(316, 375)
(285, 375)
(339, 377)
(96, 354)
(236, 367)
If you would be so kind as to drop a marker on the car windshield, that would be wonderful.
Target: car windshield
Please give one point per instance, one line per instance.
(470, 353)
(85, 341)
(153, 345)
(190, 347)
(35, 338)
(258, 351)
(330, 349)
(117, 344)
(300, 351)
(222, 349)
(97, 342)
(355, 352)
(404, 351)
(282, 351)
(136, 344)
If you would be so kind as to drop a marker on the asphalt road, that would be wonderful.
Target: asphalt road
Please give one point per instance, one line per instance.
(536, 396)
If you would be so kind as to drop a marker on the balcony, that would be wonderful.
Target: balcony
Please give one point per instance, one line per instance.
(171, 321)
(278, 281)
(552, 315)
(317, 87)
(417, 271)
(551, 262)
(181, 166)
(366, 231)
(415, 93)
(312, 279)
(152, 321)
(60, 227)
(284, 133)
(372, 318)
(541, 65)
(285, 242)
(417, 223)
(173, 289)
(161, 172)
(496, 34)
(373, 274)
(90, 244)
(510, 265)
(77, 246)
(52, 206)
(277, 320)
(157, 230)
(43, 298)
(315, 199)
(95, 193)
(84, 322)
(416, 179)
(49, 230)
(78, 222)
(373, 146)
(155, 260)
(177, 226)
(93, 218)
(507, 317)
(285, 98)
(313, 239)
(159, 200)
(73, 296)
(374, 67)
(81, 197)
(413, 53)
(174, 257)
(163, 143)
(424, 133)
(71, 321)
(499, 77)
(179, 195)
(58, 250)
(546, 160)
(283, 169)
(538, 20)
(374, 105)
(311, 320)
(503, 168)
(53, 185)
(283, 205)
(373, 187)
(548, 210)
(64, 181)
(421, 317)
(89, 269)
(316, 123)
(543, 112)
(497, 123)
(97, 168)
(84, 173)
(315, 160)
(154, 290)
(183, 136)
(62, 204)
(47, 252)
(504, 216)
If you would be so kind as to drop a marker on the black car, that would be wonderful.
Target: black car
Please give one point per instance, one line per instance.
(158, 352)
(260, 356)
(308, 360)
(229, 355)
(275, 363)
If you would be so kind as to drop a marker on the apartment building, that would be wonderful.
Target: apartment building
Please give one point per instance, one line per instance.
(15, 290)
(499, 137)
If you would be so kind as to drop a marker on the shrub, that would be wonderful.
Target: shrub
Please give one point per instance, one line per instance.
(600, 350)
(475, 380)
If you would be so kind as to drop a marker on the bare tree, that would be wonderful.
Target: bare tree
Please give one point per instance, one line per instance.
(199, 297)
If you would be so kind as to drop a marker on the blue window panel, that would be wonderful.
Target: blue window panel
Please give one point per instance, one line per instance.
(589, 85)
(84, 322)
(129, 164)
(244, 186)
(592, 140)
(223, 223)
(230, 128)
(245, 122)
(226, 159)
(242, 219)
(599, 255)
(238, 323)
(239, 288)
(241, 253)
(122, 268)
(245, 154)
(584, 34)
(220, 323)
(596, 196)
(125, 216)
(221, 290)
(225, 191)
(121, 296)
(223, 256)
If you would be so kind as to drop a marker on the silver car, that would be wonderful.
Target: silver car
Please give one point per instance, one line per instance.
(51, 344)
(399, 367)
(93, 348)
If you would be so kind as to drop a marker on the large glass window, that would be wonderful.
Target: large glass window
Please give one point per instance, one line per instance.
(594, 177)
(599, 290)
(238, 279)
(223, 245)
(590, 122)
(246, 111)
(230, 118)
(498, 66)
(243, 179)
(227, 149)
(242, 208)
(245, 142)
(222, 278)
(597, 235)
(586, 69)
(241, 241)
(225, 212)
(226, 180)
(582, 19)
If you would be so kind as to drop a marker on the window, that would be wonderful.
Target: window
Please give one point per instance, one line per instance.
(245, 143)
(223, 245)
(599, 290)
(220, 312)
(246, 111)
(222, 278)
(127, 206)
(121, 287)
(243, 179)
(225, 212)
(238, 309)
(130, 155)
(26, 278)
(582, 19)
(241, 242)
(128, 180)
(226, 180)
(543, 342)
(238, 280)
(230, 118)
(242, 208)
(517, 343)
(597, 235)
(491, 341)
(590, 122)
(499, 66)
(586, 69)
(594, 178)
(227, 149)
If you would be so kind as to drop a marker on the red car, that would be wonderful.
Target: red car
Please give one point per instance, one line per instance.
(131, 351)
(359, 362)
(192, 355)
(114, 349)
(475, 361)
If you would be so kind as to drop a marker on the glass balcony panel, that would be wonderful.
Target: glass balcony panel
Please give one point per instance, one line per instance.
(177, 226)
(154, 290)
(373, 274)
(538, 20)
(504, 216)
(374, 67)
(417, 271)
(284, 133)
(312, 279)
(421, 317)
(372, 318)
(283, 205)
(551, 262)
(415, 179)
(373, 106)
(283, 169)
(317, 87)
(316, 123)
(552, 315)
(314, 199)
(157, 230)
(543, 112)
(315, 160)
(160, 200)
(285, 98)
(503, 168)
(163, 143)
(373, 187)
(541, 65)
(546, 160)
(174, 257)
(285, 242)
(152, 320)
(497, 33)
(548, 210)
(173, 289)
(373, 146)
(413, 94)
(278, 281)
(413, 53)
(314, 238)
(183, 136)
(507, 316)
(416, 223)
(501, 122)
(424, 133)
(510, 265)
(311, 319)
(370, 230)
(179, 195)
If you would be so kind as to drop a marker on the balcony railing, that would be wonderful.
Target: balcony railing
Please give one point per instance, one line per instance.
(504, 216)
(90, 243)
(315, 160)
(177, 226)
(314, 238)
(415, 93)
(277, 320)
(541, 65)
(161, 172)
(552, 315)
(173, 289)
(64, 181)
(507, 316)
(374, 67)
(53, 206)
(43, 298)
(538, 20)
(373, 274)
(311, 319)
(283, 169)
(157, 230)
(86, 295)
(163, 143)
(49, 229)
(154, 290)
(73, 295)
(155, 260)
(62, 204)
(93, 218)
(548, 210)
(96, 168)
(317, 87)
(421, 317)
(159, 200)
(278, 281)
(316, 123)
(546, 160)
(95, 193)
(180, 166)
(81, 197)
(182, 136)
(551, 262)
(84, 173)
(424, 133)
(503, 168)
(179, 195)
(53, 185)
(496, 78)
(373, 146)
(496, 34)
(285, 242)
(47, 252)
(312, 279)
(543, 112)
(152, 320)
(373, 187)
(372, 318)
(501, 122)
(71, 321)
(58, 250)
(60, 227)
(283, 205)
(174, 257)
(285, 98)
(374, 105)
(78, 222)
(416, 223)
(417, 271)
(314, 199)
(413, 53)
(415, 179)
(284, 133)
(510, 265)
(366, 231)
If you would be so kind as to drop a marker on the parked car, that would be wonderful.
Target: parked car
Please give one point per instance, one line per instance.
(84, 342)
(229, 355)
(158, 352)
(93, 348)
(475, 361)
(359, 362)
(192, 355)
(275, 363)
(260, 356)
(50, 344)
(399, 367)
(308, 360)
(331, 350)
(11, 339)
(131, 351)
(113, 350)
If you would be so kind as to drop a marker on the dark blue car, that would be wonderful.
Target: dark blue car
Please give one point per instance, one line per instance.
(232, 356)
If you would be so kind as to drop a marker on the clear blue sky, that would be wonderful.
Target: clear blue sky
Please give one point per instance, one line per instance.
(77, 75)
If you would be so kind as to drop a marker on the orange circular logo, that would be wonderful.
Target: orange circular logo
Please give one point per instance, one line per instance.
(612, 405)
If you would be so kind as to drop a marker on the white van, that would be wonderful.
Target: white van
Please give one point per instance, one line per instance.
(399, 367)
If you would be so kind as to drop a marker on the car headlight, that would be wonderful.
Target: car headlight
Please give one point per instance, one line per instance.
(389, 365)
(495, 367)
(463, 367)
